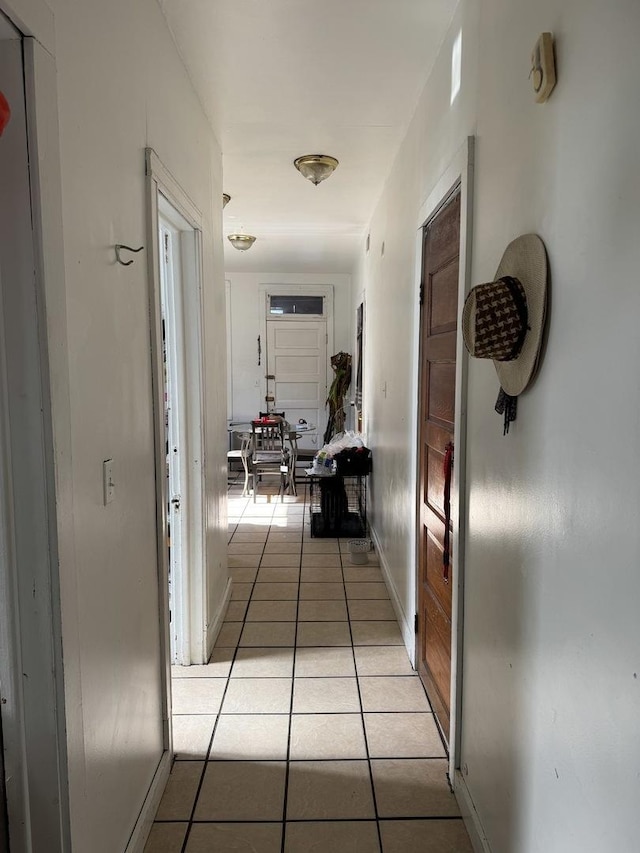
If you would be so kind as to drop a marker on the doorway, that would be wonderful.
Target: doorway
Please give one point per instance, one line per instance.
(437, 383)
(359, 383)
(299, 326)
(33, 791)
(443, 277)
(176, 310)
(171, 228)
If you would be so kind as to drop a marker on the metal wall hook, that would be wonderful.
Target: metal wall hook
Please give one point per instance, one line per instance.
(129, 249)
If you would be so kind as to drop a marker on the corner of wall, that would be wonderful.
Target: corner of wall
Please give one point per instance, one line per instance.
(405, 622)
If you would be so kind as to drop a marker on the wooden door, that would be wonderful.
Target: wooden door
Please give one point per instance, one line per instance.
(297, 374)
(438, 324)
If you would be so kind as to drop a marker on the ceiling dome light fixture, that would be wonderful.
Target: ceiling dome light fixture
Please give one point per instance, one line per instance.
(242, 242)
(315, 167)
(226, 198)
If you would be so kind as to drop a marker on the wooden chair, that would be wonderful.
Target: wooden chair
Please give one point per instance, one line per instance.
(270, 456)
(292, 437)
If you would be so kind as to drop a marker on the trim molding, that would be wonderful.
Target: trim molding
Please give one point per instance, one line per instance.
(172, 190)
(470, 815)
(406, 626)
(144, 822)
(33, 18)
(214, 626)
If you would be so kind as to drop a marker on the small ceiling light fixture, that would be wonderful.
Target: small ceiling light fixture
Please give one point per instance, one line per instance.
(315, 167)
(226, 198)
(242, 242)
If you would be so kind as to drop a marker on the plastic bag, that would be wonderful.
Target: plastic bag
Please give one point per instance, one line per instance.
(324, 462)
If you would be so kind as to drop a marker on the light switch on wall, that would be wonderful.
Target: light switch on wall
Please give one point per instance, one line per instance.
(108, 486)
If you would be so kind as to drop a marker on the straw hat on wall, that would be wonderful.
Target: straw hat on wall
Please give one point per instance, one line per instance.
(504, 319)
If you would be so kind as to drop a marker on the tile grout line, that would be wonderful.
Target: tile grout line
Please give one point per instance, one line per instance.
(208, 753)
(364, 729)
(278, 822)
(215, 726)
(289, 762)
(253, 585)
(293, 676)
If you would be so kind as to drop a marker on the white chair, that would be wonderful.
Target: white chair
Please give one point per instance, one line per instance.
(244, 454)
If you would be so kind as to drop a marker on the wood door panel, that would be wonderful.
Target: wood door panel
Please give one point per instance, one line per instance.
(296, 362)
(437, 436)
(444, 299)
(434, 570)
(442, 392)
(438, 339)
(438, 645)
(435, 480)
(443, 241)
(441, 348)
(297, 367)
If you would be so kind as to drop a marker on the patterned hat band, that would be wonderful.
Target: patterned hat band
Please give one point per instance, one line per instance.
(497, 319)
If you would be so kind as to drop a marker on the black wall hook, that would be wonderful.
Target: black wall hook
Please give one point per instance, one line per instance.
(128, 249)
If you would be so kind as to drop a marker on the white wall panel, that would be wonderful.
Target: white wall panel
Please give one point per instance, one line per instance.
(551, 702)
(122, 87)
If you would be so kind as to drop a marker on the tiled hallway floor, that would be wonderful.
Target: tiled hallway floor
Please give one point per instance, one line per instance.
(308, 730)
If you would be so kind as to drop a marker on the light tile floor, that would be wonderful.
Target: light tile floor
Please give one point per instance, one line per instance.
(308, 730)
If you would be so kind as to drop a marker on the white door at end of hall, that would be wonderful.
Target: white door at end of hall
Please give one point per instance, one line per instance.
(297, 374)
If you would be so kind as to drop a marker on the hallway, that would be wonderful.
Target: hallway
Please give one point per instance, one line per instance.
(308, 730)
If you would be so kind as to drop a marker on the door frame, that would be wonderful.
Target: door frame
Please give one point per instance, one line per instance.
(172, 298)
(43, 728)
(361, 300)
(459, 173)
(325, 290)
(160, 182)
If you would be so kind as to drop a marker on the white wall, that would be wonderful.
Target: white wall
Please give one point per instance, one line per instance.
(551, 698)
(122, 87)
(388, 284)
(247, 378)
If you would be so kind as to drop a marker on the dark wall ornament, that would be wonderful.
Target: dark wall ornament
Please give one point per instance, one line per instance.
(5, 113)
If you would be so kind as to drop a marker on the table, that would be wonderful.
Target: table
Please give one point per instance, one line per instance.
(244, 429)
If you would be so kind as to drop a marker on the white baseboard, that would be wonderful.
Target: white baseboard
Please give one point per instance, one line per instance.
(470, 815)
(216, 623)
(406, 625)
(150, 806)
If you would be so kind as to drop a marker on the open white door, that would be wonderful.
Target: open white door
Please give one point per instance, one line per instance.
(176, 305)
(175, 424)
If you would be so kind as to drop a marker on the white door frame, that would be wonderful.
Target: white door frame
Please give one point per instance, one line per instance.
(171, 289)
(160, 183)
(227, 302)
(459, 172)
(38, 504)
(361, 300)
(324, 290)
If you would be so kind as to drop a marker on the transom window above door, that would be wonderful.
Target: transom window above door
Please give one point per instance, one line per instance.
(298, 305)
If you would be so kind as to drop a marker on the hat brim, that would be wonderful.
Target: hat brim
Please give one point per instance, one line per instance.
(525, 259)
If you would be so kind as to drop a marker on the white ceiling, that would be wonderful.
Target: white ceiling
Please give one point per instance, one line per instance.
(281, 78)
